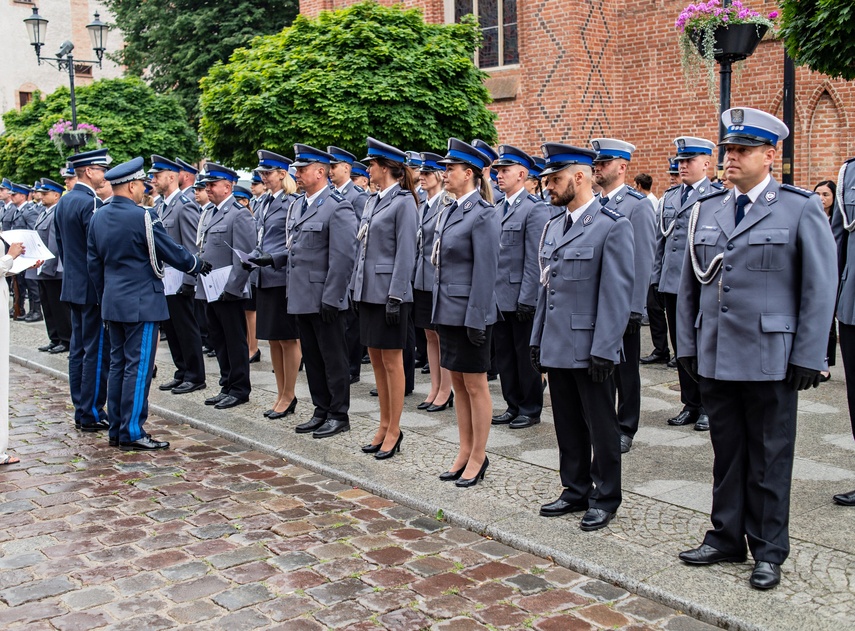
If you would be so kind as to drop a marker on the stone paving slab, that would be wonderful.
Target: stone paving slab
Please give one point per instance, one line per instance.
(667, 490)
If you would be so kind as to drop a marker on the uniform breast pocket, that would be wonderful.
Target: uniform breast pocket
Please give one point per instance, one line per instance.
(706, 246)
(668, 214)
(578, 262)
(767, 249)
(384, 268)
(511, 233)
(217, 235)
(776, 342)
(311, 235)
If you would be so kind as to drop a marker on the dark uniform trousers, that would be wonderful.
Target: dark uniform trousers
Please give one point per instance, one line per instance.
(847, 353)
(227, 334)
(585, 419)
(658, 321)
(325, 359)
(182, 335)
(354, 345)
(201, 312)
(88, 364)
(133, 346)
(753, 433)
(690, 394)
(522, 387)
(628, 385)
(57, 314)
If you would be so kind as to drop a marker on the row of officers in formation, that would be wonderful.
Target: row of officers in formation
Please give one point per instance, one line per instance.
(492, 273)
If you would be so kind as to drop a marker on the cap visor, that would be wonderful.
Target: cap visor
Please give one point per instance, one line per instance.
(303, 163)
(507, 163)
(745, 141)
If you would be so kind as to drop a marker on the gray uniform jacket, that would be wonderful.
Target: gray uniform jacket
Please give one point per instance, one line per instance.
(671, 236)
(6, 213)
(47, 233)
(772, 300)
(357, 196)
(518, 277)
(464, 288)
(639, 210)
(427, 223)
(24, 218)
(272, 221)
(180, 218)
(231, 226)
(584, 306)
(385, 253)
(844, 213)
(321, 253)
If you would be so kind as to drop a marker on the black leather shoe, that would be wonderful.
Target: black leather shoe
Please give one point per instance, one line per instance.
(451, 476)
(521, 422)
(449, 403)
(34, 316)
(703, 423)
(366, 359)
(766, 575)
(310, 426)
(289, 410)
(707, 555)
(371, 448)
(59, 348)
(113, 442)
(207, 349)
(256, 357)
(465, 483)
(383, 455)
(686, 417)
(46, 347)
(845, 499)
(188, 386)
(655, 358)
(97, 426)
(144, 444)
(169, 385)
(492, 376)
(424, 405)
(229, 402)
(269, 412)
(419, 363)
(625, 443)
(354, 379)
(211, 353)
(331, 427)
(595, 519)
(426, 369)
(215, 399)
(561, 507)
(672, 363)
(373, 392)
(504, 419)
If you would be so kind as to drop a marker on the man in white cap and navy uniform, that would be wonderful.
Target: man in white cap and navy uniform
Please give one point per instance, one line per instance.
(693, 157)
(757, 296)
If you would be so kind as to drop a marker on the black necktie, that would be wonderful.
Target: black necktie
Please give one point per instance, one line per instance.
(450, 211)
(604, 201)
(741, 202)
(568, 223)
(303, 208)
(686, 190)
(505, 208)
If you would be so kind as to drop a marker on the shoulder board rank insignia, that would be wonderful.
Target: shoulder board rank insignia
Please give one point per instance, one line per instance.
(770, 195)
(484, 202)
(717, 185)
(534, 198)
(184, 199)
(668, 190)
(336, 196)
(612, 214)
(796, 189)
(634, 193)
(358, 188)
(467, 205)
(713, 193)
(587, 219)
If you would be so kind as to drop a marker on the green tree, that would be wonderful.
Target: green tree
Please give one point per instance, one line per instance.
(134, 121)
(367, 70)
(173, 43)
(820, 34)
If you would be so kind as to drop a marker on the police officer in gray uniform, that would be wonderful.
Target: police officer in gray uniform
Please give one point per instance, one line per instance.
(24, 214)
(582, 312)
(693, 156)
(489, 173)
(756, 302)
(610, 167)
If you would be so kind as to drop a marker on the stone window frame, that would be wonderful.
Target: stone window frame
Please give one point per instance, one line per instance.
(450, 18)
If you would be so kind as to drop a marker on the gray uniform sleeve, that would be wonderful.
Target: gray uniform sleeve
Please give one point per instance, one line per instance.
(530, 287)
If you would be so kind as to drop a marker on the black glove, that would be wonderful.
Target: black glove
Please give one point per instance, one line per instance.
(354, 307)
(227, 297)
(186, 290)
(601, 369)
(690, 365)
(393, 310)
(800, 378)
(204, 267)
(262, 259)
(476, 336)
(525, 313)
(534, 356)
(634, 323)
(328, 314)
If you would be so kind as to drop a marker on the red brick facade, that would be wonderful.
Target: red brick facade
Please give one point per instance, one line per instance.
(593, 68)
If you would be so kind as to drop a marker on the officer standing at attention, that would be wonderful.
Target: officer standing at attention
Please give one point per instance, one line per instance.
(582, 312)
(693, 157)
(522, 217)
(88, 357)
(256, 192)
(757, 297)
(359, 176)
(180, 217)
(610, 166)
(489, 176)
(127, 249)
(24, 214)
(230, 225)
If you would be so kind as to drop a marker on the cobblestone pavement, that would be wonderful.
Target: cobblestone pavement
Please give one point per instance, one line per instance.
(212, 535)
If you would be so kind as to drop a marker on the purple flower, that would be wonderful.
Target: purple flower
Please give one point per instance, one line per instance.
(773, 15)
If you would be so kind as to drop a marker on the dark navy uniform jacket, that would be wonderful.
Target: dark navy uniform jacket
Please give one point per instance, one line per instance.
(73, 213)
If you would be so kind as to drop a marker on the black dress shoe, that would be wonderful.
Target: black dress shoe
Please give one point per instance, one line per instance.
(354, 379)
(229, 402)
(655, 358)
(845, 499)
(46, 347)
(595, 519)
(144, 444)
(169, 385)
(424, 405)
(465, 483)
(34, 316)
(311, 425)
(97, 426)
(215, 399)
(686, 417)
(154, 372)
(59, 348)
(256, 357)
(366, 359)
(625, 443)
(419, 363)
(561, 507)
(207, 349)
(373, 392)
(707, 555)
(521, 422)
(331, 427)
(371, 448)
(450, 476)
(504, 419)
(289, 410)
(449, 403)
(113, 442)
(492, 376)
(703, 423)
(672, 363)
(269, 412)
(383, 455)
(188, 386)
(766, 575)
(426, 369)
(211, 353)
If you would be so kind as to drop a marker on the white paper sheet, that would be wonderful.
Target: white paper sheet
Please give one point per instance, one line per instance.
(215, 282)
(243, 256)
(172, 280)
(34, 249)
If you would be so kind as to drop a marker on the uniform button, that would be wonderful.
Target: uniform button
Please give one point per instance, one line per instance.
(554, 258)
(704, 239)
(578, 253)
(551, 292)
(726, 288)
(554, 274)
(724, 309)
(673, 249)
(729, 246)
(552, 306)
(768, 238)
(787, 326)
(728, 267)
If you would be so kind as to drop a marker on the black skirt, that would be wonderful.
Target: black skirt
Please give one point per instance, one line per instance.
(423, 309)
(375, 333)
(273, 322)
(249, 304)
(457, 353)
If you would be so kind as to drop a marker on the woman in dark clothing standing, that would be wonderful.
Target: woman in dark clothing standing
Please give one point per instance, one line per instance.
(827, 191)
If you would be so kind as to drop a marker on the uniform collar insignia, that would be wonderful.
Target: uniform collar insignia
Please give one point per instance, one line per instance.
(619, 198)
(726, 199)
(587, 219)
(701, 189)
(770, 195)
(517, 203)
(320, 203)
(467, 205)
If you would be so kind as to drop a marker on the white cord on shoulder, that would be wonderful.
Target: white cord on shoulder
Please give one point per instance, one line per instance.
(156, 265)
(666, 232)
(849, 225)
(704, 276)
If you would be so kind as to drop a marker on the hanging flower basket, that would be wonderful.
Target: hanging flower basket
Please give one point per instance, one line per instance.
(65, 137)
(731, 43)
(73, 139)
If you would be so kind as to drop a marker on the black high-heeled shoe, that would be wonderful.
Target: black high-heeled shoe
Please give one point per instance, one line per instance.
(289, 410)
(450, 476)
(424, 405)
(382, 455)
(256, 357)
(439, 408)
(371, 448)
(464, 483)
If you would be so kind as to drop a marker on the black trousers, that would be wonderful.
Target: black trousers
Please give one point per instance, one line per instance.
(325, 359)
(753, 434)
(585, 420)
(628, 384)
(690, 394)
(354, 346)
(847, 354)
(409, 355)
(57, 313)
(522, 387)
(227, 335)
(182, 335)
(658, 321)
(201, 313)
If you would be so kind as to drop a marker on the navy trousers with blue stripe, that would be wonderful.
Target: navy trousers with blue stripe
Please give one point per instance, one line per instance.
(132, 351)
(88, 362)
